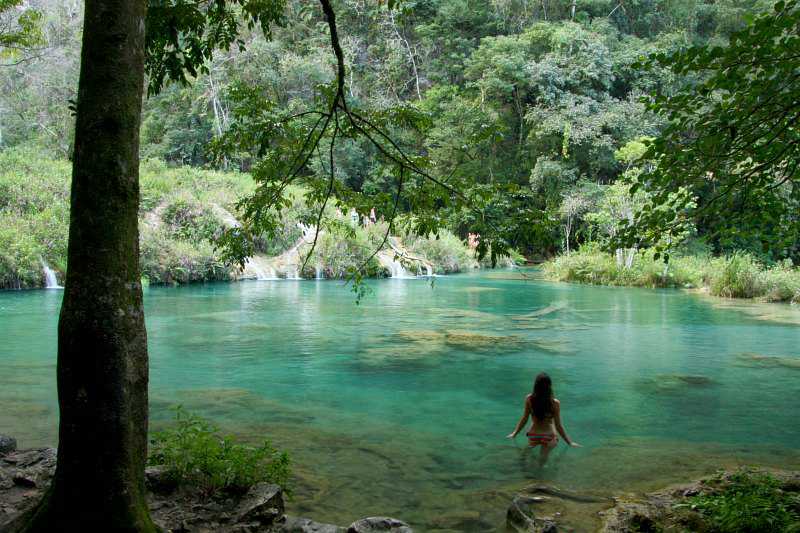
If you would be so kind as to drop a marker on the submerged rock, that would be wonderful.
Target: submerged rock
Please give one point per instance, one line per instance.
(420, 335)
(544, 311)
(460, 521)
(694, 380)
(769, 361)
(554, 347)
(674, 383)
(470, 340)
(520, 515)
(543, 508)
(7, 444)
(427, 342)
(305, 525)
(376, 524)
(480, 289)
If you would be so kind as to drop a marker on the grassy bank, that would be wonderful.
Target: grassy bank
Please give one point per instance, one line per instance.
(736, 276)
(183, 211)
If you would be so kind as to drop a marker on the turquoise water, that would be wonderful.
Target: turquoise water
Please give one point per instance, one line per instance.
(400, 405)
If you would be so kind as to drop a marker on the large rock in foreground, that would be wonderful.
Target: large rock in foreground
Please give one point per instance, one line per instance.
(377, 524)
(262, 505)
(7, 444)
(304, 525)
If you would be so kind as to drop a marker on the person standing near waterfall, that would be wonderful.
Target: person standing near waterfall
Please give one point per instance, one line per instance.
(545, 411)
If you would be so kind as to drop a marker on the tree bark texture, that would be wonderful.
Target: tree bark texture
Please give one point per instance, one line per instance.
(102, 343)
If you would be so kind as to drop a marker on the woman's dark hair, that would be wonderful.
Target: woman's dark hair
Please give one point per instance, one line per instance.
(542, 399)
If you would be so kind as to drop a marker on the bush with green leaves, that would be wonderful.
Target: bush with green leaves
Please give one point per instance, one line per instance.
(782, 283)
(749, 503)
(341, 250)
(167, 260)
(740, 277)
(187, 219)
(737, 276)
(194, 453)
(591, 265)
(446, 251)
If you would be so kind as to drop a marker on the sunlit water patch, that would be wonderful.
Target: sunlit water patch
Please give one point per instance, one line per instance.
(400, 405)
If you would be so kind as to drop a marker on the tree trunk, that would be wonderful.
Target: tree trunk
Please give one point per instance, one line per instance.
(102, 343)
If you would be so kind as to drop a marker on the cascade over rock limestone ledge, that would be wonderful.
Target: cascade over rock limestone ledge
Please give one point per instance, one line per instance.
(25, 474)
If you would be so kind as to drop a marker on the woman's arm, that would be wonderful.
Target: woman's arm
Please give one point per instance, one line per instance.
(522, 420)
(559, 426)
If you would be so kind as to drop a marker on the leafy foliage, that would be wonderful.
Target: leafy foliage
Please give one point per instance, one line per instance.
(20, 29)
(731, 140)
(182, 35)
(196, 454)
(749, 503)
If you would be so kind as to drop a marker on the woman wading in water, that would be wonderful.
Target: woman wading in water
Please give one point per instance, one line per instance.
(546, 413)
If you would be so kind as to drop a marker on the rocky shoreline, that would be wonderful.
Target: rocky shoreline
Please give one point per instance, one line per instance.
(544, 509)
(25, 474)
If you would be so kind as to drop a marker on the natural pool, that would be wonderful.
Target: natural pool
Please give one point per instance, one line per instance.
(400, 405)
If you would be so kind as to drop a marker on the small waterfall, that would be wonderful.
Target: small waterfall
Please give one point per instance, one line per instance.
(262, 271)
(293, 273)
(318, 272)
(270, 274)
(397, 270)
(50, 277)
(428, 270)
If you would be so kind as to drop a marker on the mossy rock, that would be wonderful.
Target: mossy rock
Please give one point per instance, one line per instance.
(675, 383)
(474, 341)
(768, 361)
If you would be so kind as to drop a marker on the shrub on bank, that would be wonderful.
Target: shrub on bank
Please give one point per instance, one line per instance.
(185, 218)
(19, 256)
(782, 284)
(740, 276)
(166, 260)
(593, 266)
(194, 453)
(737, 276)
(340, 252)
(446, 251)
(749, 503)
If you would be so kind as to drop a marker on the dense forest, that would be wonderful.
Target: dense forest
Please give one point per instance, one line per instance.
(541, 112)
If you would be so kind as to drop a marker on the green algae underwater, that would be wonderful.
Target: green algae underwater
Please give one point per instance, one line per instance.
(400, 405)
